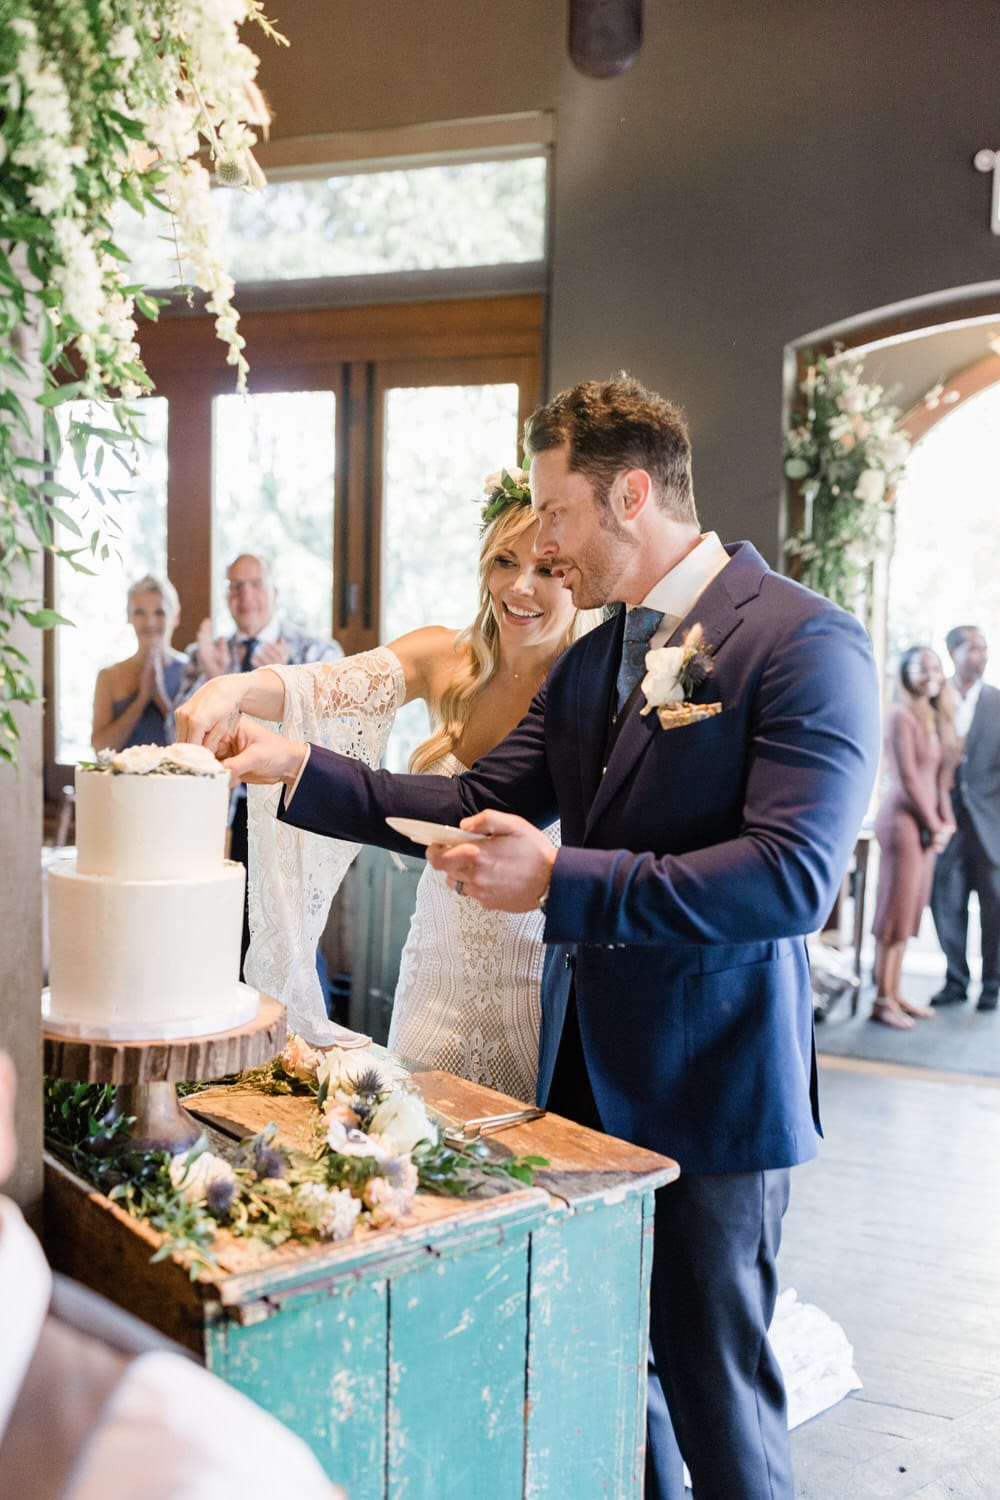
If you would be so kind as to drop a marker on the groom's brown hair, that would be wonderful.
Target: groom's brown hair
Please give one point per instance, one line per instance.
(611, 425)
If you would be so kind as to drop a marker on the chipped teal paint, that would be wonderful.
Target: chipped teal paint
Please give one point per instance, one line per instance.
(588, 1327)
(457, 1336)
(319, 1366)
(406, 1366)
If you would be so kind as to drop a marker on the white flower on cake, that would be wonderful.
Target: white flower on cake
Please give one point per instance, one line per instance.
(400, 1122)
(193, 1176)
(147, 760)
(138, 760)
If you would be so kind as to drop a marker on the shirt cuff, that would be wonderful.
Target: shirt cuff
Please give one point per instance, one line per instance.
(293, 786)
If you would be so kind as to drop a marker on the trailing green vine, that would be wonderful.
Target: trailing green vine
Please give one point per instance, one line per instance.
(102, 103)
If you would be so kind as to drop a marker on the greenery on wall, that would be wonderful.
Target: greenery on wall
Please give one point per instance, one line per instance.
(844, 456)
(101, 101)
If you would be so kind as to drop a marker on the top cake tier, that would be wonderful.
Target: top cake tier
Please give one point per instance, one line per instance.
(155, 826)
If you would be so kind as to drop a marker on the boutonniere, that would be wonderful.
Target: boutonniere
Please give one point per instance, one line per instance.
(672, 674)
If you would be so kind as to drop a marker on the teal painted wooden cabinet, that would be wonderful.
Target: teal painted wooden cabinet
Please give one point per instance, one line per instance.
(493, 1349)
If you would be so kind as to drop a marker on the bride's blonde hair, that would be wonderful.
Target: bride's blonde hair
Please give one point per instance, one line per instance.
(483, 639)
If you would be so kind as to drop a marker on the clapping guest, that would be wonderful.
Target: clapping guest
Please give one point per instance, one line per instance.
(134, 699)
(913, 824)
(261, 639)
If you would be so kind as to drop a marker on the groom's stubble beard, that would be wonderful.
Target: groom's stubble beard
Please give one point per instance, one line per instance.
(601, 561)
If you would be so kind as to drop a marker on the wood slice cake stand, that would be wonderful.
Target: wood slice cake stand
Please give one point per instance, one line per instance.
(145, 1075)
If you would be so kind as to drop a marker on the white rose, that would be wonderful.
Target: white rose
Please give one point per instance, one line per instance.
(663, 667)
(870, 488)
(341, 1067)
(852, 400)
(193, 1178)
(139, 760)
(197, 758)
(333, 1211)
(400, 1122)
(347, 1140)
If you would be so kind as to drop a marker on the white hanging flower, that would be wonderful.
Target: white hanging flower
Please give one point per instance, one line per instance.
(870, 487)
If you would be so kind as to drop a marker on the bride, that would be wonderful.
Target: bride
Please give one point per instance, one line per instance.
(467, 998)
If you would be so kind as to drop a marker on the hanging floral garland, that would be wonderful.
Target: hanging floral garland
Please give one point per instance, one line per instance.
(845, 457)
(101, 102)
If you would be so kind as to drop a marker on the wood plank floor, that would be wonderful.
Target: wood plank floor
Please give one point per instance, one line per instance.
(895, 1233)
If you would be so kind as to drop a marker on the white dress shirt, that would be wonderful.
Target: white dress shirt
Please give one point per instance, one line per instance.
(679, 590)
(965, 707)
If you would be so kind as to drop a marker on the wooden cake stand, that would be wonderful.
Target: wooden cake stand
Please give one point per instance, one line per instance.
(145, 1075)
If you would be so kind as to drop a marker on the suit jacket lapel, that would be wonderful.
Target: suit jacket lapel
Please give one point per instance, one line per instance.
(594, 685)
(718, 611)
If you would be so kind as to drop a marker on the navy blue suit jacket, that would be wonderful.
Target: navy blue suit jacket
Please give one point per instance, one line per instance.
(691, 869)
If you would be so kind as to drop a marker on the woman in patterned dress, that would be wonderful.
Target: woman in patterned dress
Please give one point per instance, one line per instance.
(467, 1000)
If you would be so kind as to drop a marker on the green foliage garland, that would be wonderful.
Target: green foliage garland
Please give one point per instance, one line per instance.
(844, 455)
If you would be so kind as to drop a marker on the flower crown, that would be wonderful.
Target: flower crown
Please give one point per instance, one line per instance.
(502, 490)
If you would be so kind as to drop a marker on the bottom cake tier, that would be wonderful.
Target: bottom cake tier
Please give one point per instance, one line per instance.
(133, 960)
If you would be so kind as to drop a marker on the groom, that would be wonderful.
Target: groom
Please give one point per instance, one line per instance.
(706, 825)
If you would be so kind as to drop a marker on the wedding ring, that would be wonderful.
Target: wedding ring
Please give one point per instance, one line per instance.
(458, 888)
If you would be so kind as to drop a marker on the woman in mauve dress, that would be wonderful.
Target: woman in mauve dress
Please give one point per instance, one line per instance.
(913, 823)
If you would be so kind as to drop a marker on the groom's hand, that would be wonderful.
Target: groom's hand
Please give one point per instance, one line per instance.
(509, 871)
(258, 755)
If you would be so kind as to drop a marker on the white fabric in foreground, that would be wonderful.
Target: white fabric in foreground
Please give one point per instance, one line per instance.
(816, 1359)
(348, 706)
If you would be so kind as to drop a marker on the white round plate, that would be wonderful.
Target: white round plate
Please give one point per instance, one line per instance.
(432, 833)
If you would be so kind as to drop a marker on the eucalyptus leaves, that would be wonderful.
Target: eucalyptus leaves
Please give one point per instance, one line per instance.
(845, 455)
(102, 102)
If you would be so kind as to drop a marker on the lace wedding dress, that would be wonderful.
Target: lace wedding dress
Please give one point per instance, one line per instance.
(467, 997)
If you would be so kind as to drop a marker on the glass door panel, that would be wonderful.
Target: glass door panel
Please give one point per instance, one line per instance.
(273, 466)
(131, 512)
(439, 443)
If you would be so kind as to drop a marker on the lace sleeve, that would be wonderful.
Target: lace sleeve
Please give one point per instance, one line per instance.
(348, 706)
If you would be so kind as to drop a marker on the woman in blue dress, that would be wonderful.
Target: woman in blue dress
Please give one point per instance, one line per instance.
(134, 700)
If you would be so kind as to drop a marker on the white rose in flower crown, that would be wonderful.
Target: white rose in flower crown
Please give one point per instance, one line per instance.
(870, 488)
(138, 760)
(192, 1179)
(661, 683)
(400, 1122)
(196, 758)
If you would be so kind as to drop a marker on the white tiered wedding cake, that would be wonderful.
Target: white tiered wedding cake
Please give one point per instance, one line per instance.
(145, 924)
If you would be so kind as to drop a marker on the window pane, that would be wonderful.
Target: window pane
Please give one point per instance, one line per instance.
(135, 528)
(441, 442)
(482, 213)
(272, 494)
(937, 579)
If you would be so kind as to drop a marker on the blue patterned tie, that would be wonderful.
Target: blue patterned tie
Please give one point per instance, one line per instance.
(641, 625)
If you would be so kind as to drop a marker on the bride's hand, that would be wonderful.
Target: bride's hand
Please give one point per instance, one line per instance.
(209, 716)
